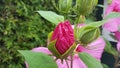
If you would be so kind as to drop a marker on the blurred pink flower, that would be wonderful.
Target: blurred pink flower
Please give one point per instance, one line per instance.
(117, 36)
(113, 7)
(118, 46)
(113, 24)
(95, 49)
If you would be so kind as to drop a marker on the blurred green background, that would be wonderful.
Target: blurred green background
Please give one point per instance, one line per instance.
(21, 28)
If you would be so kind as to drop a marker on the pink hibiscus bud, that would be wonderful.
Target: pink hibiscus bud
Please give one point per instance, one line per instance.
(85, 7)
(62, 41)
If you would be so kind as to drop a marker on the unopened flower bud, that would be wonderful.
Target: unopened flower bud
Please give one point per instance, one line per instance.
(85, 7)
(62, 41)
(64, 6)
(88, 34)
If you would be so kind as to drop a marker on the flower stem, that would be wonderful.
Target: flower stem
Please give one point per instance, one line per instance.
(71, 61)
(67, 63)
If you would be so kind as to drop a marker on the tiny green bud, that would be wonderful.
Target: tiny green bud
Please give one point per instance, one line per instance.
(88, 34)
(85, 7)
(64, 6)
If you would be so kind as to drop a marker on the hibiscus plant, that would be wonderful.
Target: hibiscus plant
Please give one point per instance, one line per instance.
(78, 44)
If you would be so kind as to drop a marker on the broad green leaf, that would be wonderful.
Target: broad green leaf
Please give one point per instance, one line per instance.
(51, 17)
(38, 59)
(109, 49)
(90, 61)
(113, 15)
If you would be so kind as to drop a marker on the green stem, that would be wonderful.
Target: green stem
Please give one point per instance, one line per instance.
(67, 63)
(71, 61)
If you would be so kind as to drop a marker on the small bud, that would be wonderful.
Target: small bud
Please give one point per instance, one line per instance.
(88, 34)
(85, 7)
(64, 6)
(62, 41)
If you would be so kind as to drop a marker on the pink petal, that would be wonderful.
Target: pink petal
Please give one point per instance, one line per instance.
(117, 35)
(62, 65)
(77, 63)
(112, 25)
(95, 48)
(113, 7)
(118, 46)
(41, 49)
(27, 66)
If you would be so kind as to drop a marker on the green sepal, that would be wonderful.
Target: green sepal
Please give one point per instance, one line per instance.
(50, 35)
(53, 49)
(69, 51)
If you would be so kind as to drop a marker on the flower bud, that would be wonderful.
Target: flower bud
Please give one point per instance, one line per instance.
(62, 41)
(88, 34)
(64, 6)
(85, 7)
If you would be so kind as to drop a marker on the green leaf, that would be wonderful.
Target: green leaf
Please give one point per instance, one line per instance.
(109, 49)
(113, 15)
(102, 6)
(98, 23)
(90, 61)
(51, 17)
(38, 59)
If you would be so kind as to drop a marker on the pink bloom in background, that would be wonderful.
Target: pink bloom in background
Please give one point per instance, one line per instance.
(95, 49)
(117, 35)
(64, 36)
(113, 7)
(113, 24)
